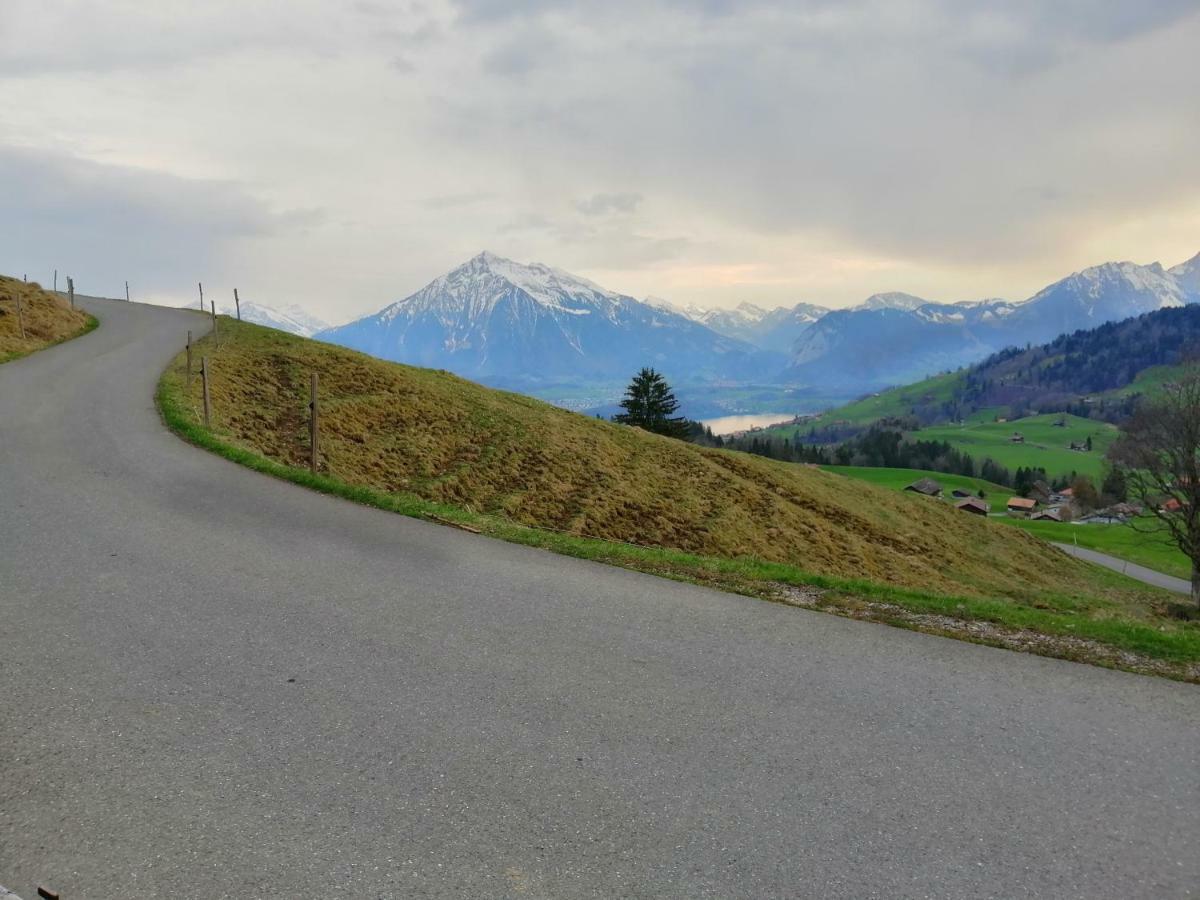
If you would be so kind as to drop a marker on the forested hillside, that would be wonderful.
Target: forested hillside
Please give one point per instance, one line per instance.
(1066, 374)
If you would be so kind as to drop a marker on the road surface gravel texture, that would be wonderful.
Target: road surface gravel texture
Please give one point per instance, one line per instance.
(216, 684)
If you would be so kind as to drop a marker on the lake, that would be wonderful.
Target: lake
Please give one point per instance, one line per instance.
(731, 424)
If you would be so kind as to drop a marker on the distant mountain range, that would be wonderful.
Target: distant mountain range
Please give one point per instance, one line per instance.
(496, 320)
(516, 325)
(290, 318)
(882, 343)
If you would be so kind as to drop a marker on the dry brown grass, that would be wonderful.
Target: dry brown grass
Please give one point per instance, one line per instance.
(399, 429)
(48, 318)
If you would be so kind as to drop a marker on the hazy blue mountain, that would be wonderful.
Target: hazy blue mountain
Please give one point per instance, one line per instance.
(499, 321)
(1188, 275)
(896, 338)
(1104, 293)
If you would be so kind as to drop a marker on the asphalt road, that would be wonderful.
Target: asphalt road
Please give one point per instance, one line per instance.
(1133, 570)
(214, 684)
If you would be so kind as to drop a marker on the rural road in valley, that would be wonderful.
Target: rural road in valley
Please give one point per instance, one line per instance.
(216, 684)
(1133, 570)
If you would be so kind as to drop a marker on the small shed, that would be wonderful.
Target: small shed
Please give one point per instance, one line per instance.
(960, 494)
(1054, 514)
(926, 486)
(1017, 438)
(1020, 506)
(973, 505)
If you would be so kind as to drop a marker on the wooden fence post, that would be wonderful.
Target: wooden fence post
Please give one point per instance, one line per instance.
(314, 426)
(201, 286)
(238, 303)
(56, 281)
(207, 401)
(71, 290)
(127, 292)
(21, 317)
(189, 360)
(216, 337)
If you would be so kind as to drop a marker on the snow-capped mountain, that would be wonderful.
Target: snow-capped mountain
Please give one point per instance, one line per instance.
(1104, 293)
(774, 330)
(893, 300)
(1187, 274)
(495, 320)
(290, 318)
(896, 338)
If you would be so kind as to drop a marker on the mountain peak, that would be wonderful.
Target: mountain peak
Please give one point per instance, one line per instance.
(893, 300)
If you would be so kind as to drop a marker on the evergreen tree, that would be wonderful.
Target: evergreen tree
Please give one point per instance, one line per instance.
(649, 403)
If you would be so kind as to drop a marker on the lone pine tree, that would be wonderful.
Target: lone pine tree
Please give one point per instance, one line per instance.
(649, 403)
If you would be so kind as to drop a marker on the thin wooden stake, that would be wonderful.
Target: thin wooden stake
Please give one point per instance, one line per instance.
(56, 281)
(71, 290)
(314, 427)
(201, 286)
(127, 292)
(21, 317)
(238, 303)
(189, 360)
(216, 337)
(207, 401)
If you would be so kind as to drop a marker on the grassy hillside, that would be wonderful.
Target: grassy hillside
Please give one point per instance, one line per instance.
(899, 479)
(1046, 445)
(1121, 541)
(430, 444)
(895, 403)
(47, 317)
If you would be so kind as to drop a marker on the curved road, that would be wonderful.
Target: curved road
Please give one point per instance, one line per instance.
(214, 684)
(1133, 570)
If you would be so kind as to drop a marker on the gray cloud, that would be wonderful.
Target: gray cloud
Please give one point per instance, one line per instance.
(607, 204)
(104, 224)
(933, 137)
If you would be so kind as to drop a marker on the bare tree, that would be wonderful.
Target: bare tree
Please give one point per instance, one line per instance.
(1159, 453)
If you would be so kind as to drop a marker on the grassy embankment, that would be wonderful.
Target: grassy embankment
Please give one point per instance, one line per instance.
(432, 445)
(48, 319)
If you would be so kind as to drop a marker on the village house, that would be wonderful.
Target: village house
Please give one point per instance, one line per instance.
(974, 506)
(1053, 514)
(925, 486)
(1020, 507)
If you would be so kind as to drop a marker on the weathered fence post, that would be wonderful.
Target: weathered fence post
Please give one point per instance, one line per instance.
(207, 401)
(216, 337)
(238, 303)
(71, 290)
(21, 317)
(314, 428)
(201, 286)
(127, 292)
(189, 360)
(56, 281)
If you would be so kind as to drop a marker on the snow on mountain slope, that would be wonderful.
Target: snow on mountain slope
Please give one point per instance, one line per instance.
(893, 338)
(291, 318)
(1104, 293)
(893, 300)
(1187, 274)
(492, 318)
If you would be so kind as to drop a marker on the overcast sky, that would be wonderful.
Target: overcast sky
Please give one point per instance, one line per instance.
(341, 154)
